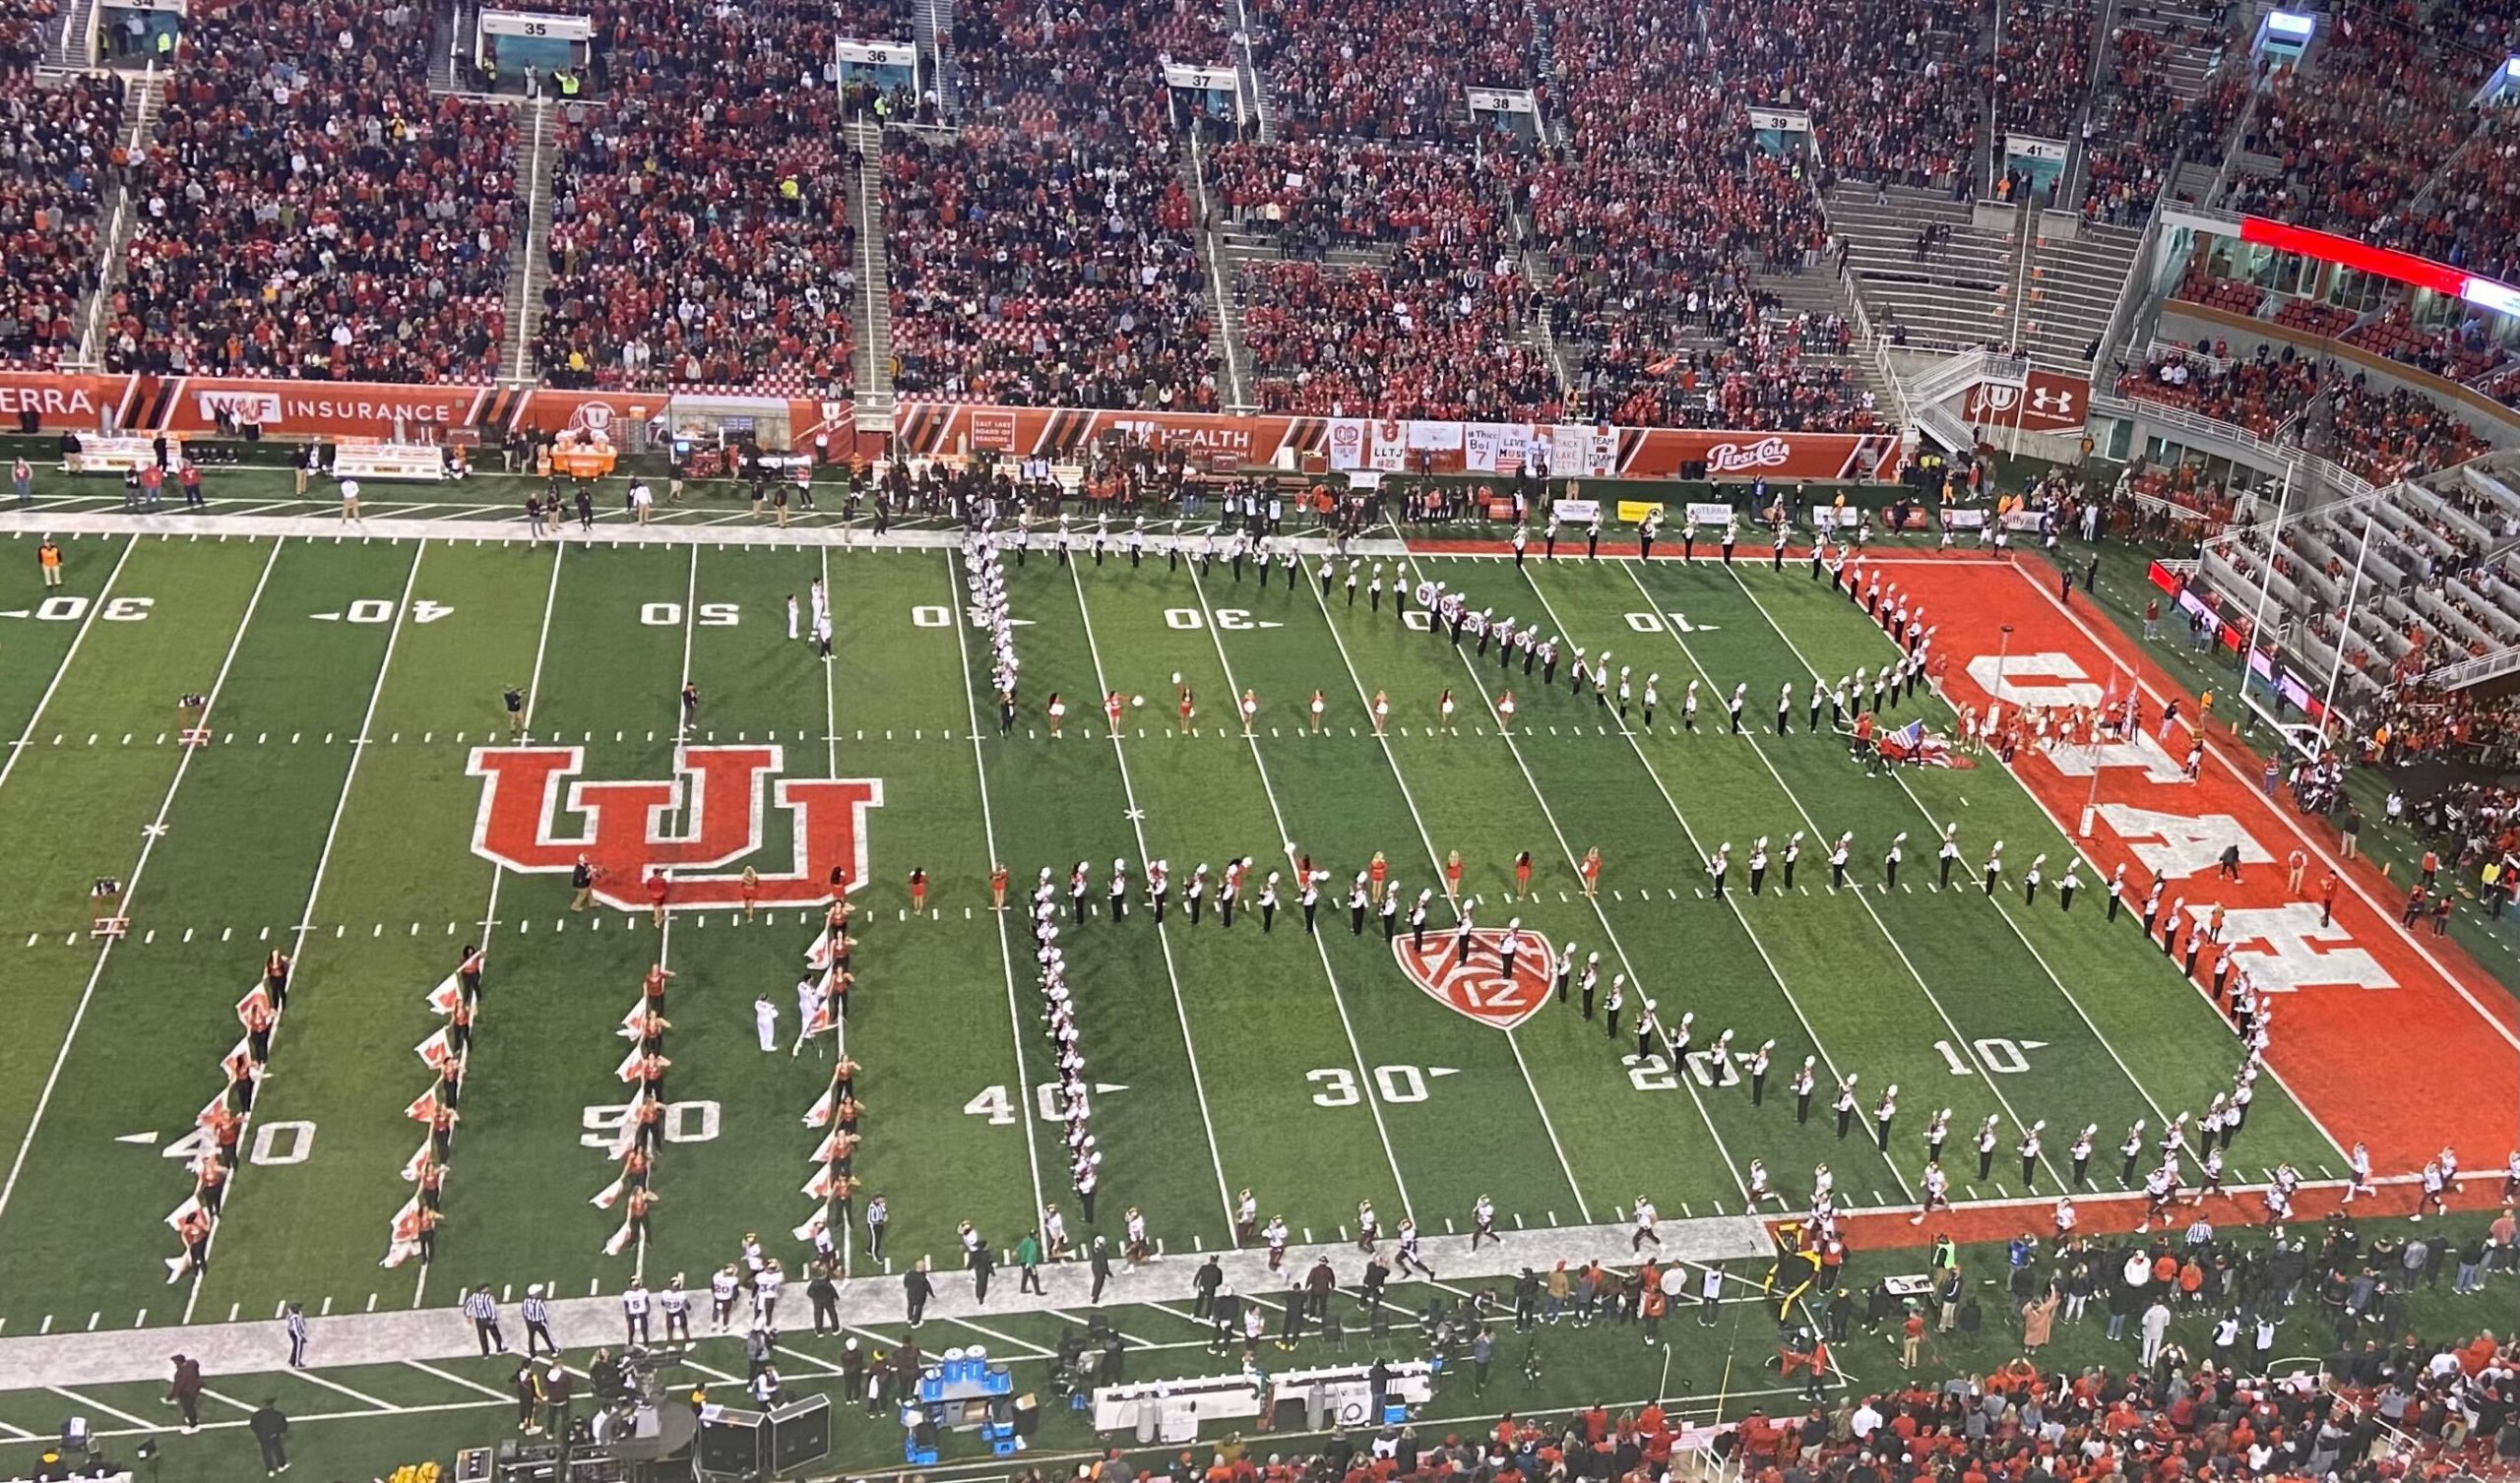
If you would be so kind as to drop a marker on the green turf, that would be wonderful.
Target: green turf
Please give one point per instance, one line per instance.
(1307, 1069)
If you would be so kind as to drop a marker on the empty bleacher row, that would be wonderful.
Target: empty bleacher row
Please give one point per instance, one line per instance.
(2383, 588)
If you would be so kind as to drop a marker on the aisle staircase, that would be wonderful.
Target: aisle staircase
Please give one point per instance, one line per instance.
(537, 166)
(141, 96)
(72, 41)
(872, 384)
(1225, 339)
(2074, 288)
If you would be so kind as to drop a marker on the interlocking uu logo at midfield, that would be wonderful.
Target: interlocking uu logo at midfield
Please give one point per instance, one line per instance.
(627, 824)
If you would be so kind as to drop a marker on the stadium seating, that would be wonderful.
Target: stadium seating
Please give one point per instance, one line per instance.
(22, 27)
(1889, 102)
(2473, 215)
(1431, 336)
(1310, 196)
(57, 151)
(2258, 395)
(1018, 62)
(1388, 69)
(2428, 590)
(701, 232)
(2141, 123)
(2043, 54)
(332, 218)
(1048, 271)
(2388, 89)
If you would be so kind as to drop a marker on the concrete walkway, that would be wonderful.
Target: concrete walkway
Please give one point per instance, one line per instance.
(443, 1332)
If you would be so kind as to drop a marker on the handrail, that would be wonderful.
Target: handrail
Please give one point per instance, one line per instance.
(2188, 421)
(2475, 670)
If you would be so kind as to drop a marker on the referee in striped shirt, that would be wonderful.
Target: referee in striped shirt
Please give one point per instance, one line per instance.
(296, 1323)
(537, 1321)
(484, 1314)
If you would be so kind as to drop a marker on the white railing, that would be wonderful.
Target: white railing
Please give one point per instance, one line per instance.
(2353, 503)
(2160, 350)
(2461, 673)
(2274, 451)
(1944, 427)
(1965, 370)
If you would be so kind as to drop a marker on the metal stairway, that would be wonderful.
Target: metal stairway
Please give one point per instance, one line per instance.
(537, 165)
(872, 379)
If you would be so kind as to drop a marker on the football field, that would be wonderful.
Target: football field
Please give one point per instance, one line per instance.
(342, 810)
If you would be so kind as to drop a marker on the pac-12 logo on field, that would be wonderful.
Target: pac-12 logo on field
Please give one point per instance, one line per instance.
(1479, 988)
(627, 826)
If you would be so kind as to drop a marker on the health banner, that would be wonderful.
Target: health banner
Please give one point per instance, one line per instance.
(329, 410)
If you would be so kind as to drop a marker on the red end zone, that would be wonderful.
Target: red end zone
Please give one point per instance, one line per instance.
(2400, 1042)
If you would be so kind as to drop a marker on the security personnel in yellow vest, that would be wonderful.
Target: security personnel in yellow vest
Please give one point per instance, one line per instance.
(790, 194)
(167, 44)
(569, 85)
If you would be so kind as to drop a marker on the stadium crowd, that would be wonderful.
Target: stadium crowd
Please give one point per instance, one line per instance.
(59, 148)
(2380, 434)
(2138, 126)
(1381, 69)
(2043, 54)
(305, 206)
(1651, 223)
(1311, 196)
(700, 223)
(1887, 101)
(1048, 271)
(2259, 394)
(2385, 435)
(2389, 89)
(1027, 64)
(1433, 336)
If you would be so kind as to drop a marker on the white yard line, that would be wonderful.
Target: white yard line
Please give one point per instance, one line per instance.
(1784, 985)
(498, 873)
(334, 1386)
(131, 886)
(1557, 832)
(1027, 1346)
(2000, 908)
(1338, 998)
(831, 769)
(97, 1405)
(2318, 850)
(960, 616)
(140, 1428)
(314, 887)
(95, 605)
(664, 931)
(1862, 899)
(2005, 911)
(452, 1379)
(1435, 862)
(1164, 933)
